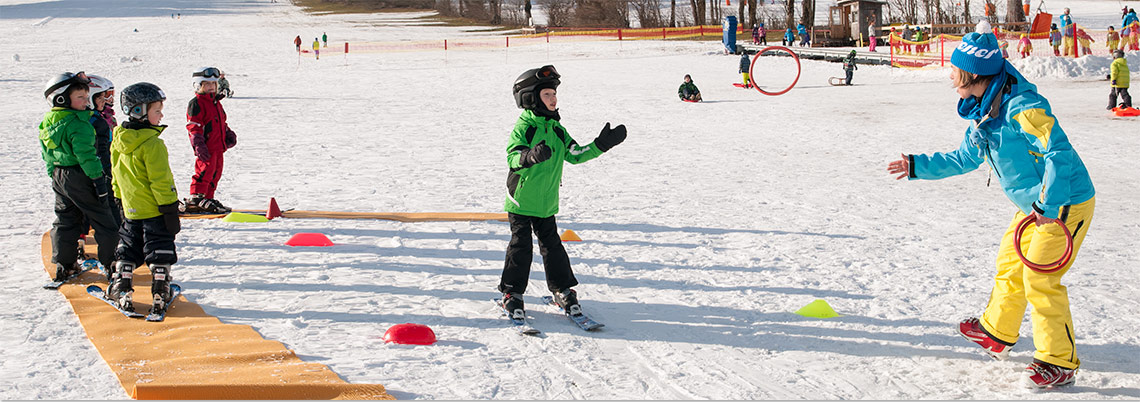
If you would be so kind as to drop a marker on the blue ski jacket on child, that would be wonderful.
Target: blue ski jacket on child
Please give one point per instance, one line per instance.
(1028, 151)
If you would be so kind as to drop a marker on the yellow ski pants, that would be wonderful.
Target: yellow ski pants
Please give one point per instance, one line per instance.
(1015, 286)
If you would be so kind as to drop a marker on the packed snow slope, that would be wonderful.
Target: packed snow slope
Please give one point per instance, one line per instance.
(703, 232)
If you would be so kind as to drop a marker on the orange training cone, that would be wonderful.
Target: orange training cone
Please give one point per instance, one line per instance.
(569, 235)
(274, 211)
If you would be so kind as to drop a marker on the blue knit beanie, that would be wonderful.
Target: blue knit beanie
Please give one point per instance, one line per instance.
(979, 52)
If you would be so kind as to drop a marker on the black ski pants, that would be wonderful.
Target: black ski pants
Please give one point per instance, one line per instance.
(850, 74)
(76, 206)
(146, 240)
(516, 270)
(1124, 97)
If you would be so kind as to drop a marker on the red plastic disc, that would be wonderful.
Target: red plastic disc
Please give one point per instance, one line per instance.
(410, 334)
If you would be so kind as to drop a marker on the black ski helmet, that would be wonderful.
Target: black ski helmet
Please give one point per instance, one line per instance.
(532, 81)
(56, 89)
(134, 99)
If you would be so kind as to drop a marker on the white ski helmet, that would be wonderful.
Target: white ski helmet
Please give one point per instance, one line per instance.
(55, 91)
(205, 74)
(99, 86)
(135, 98)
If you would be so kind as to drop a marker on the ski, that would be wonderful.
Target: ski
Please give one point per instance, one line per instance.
(98, 293)
(836, 81)
(87, 266)
(522, 325)
(583, 321)
(157, 315)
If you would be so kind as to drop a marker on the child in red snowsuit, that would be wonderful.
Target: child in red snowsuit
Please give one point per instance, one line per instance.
(210, 136)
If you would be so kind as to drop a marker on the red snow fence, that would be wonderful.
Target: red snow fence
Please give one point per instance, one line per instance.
(193, 355)
(410, 334)
(309, 240)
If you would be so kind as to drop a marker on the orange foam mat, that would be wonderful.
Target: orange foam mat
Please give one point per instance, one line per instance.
(392, 216)
(193, 355)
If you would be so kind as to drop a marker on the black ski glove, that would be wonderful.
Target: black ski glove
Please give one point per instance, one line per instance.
(102, 187)
(170, 217)
(534, 155)
(610, 137)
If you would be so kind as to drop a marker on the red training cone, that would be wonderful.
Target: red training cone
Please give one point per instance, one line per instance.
(273, 211)
(410, 334)
(309, 240)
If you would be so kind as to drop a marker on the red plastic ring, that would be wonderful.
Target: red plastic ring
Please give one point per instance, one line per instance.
(1043, 268)
(753, 66)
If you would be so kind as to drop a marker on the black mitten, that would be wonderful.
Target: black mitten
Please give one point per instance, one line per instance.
(534, 155)
(170, 217)
(610, 137)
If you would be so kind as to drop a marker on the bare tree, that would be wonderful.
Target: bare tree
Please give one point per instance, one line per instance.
(648, 13)
(808, 16)
(673, 13)
(698, 7)
(558, 12)
(789, 13)
(1014, 11)
(752, 11)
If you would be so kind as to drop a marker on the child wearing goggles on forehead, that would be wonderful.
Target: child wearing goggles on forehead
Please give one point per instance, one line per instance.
(211, 136)
(67, 144)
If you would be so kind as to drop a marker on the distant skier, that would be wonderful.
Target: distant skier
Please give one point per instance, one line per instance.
(872, 40)
(325, 39)
(67, 145)
(224, 90)
(805, 39)
(210, 136)
(688, 90)
(755, 34)
(1112, 39)
(317, 48)
(539, 146)
(763, 32)
(1024, 46)
(1055, 40)
(1084, 39)
(745, 65)
(1016, 135)
(789, 38)
(297, 41)
(907, 38)
(849, 67)
(144, 180)
(1068, 34)
(1119, 77)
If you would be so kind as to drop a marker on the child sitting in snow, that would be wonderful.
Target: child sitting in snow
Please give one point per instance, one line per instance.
(539, 147)
(150, 200)
(688, 90)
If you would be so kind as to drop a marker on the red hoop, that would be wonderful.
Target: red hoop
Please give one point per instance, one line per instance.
(1043, 268)
(753, 66)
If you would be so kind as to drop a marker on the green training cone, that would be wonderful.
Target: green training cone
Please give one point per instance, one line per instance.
(240, 217)
(817, 309)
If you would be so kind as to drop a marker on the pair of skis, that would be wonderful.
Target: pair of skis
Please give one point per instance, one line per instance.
(85, 265)
(523, 326)
(156, 315)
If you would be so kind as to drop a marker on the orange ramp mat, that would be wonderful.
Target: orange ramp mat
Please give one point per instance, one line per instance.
(192, 355)
(392, 216)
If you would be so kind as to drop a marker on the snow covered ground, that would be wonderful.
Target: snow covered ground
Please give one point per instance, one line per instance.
(704, 231)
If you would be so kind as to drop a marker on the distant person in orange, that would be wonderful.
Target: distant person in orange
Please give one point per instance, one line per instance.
(297, 42)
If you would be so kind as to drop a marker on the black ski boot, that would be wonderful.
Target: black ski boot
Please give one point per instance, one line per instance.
(212, 206)
(568, 300)
(513, 303)
(160, 287)
(64, 271)
(190, 205)
(122, 287)
(82, 250)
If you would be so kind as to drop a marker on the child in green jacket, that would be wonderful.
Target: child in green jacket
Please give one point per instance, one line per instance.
(67, 144)
(1119, 76)
(150, 200)
(538, 148)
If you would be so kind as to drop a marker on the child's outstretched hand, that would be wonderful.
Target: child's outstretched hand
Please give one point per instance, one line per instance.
(610, 137)
(900, 166)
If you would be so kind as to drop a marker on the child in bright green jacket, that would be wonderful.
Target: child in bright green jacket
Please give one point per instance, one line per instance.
(539, 146)
(1119, 76)
(149, 197)
(82, 191)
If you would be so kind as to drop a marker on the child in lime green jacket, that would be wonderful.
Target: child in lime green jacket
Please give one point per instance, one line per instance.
(144, 180)
(538, 148)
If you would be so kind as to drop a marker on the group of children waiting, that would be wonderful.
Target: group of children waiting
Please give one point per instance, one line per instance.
(760, 35)
(117, 178)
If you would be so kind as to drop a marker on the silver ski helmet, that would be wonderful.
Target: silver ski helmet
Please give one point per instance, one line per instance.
(101, 86)
(56, 89)
(134, 99)
(205, 74)
(530, 82)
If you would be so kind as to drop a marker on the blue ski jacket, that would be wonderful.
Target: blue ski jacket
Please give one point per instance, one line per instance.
(1017, 134)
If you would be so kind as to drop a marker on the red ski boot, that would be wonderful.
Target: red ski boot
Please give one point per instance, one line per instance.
(971, 329)
(1044, 375)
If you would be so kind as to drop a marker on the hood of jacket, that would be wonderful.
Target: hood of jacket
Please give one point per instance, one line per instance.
(52, 128)
(129, 137)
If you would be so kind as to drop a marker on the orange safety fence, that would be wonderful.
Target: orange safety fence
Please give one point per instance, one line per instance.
(937, 50)
(193, 355)
(553, 36)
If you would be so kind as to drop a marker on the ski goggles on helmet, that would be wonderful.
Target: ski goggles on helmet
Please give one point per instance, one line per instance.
(547, 73)
(208, 72)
